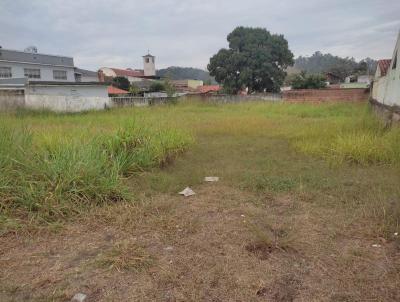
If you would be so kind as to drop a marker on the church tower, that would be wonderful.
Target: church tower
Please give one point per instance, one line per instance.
(149, 65)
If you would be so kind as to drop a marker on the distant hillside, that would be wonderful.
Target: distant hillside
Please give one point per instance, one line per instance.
(183, 73)
(323, 63)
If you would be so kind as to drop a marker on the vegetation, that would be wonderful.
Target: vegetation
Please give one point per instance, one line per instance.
(308, 194)
(307, 81)
(184, 73)
(256, 59)
(50, 175)
(320, 63)
(157, 86)
(121, 83)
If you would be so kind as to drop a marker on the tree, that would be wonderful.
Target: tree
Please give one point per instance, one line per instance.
(169, 88)
(133, 89)
(156, 86)
(121, 83)
(256, 59)
(311, 81)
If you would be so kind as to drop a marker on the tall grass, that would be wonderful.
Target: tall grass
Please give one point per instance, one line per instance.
(50, 177)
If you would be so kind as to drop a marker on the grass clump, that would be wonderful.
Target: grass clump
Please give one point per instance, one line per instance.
(47, 178)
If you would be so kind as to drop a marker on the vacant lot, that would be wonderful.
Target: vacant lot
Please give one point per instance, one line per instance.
(307, 207)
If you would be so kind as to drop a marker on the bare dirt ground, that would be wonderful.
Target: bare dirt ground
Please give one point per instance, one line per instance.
(223, 244)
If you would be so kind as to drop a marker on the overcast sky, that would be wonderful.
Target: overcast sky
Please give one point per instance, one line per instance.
(116, 33)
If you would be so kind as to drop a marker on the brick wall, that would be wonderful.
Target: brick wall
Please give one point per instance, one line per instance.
(323, 95)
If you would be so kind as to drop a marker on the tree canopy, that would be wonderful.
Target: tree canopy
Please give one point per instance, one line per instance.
(320, 63)
(184, 73)
(307, 81)
(121, 83)
(255, 59)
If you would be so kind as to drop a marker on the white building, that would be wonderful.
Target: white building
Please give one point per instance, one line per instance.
(133, 75)
(35, 66)
(15, 64)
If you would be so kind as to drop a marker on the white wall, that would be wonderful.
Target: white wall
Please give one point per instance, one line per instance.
(90, 79)
(46, 72)
(386, 89)
(72, 98)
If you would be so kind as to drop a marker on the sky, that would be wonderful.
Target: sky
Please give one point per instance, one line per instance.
(117, 33)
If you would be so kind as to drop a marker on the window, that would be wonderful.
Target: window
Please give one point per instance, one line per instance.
(78, 77)
(147, 60)
(5, 72)
(395, 61)
(31, 73)
(59, 75)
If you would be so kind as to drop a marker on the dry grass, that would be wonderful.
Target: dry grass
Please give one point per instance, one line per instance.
(281, 225)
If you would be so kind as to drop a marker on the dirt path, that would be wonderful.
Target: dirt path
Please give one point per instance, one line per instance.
(223, 244)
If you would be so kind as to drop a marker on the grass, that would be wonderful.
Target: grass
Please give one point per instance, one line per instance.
(51, 176)
(56, 166)
(305, 192)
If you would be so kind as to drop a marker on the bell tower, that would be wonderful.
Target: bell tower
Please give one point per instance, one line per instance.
(149, 65)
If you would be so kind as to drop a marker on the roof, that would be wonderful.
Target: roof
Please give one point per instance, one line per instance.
(208, 88)
(384, 66)
(115, 90)
(128, 72)
(35, 58)
(85, 72)
(148, 55)
(55, 83)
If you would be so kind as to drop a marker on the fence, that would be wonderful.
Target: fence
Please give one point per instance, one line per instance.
(322, 95)
(131, 101)
(225, 98)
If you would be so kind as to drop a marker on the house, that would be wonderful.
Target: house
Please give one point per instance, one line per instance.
(187, 85)
(148, 72)
(35, 66)
(332, 78)
(112, 91)
(83, 75)
(386, 85)
(208, 89)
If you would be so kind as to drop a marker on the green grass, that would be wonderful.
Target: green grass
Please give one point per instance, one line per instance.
(339, 155)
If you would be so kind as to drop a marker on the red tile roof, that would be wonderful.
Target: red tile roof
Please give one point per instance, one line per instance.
(208, 88)
(384, 66)
(128, 72)
(115, 90)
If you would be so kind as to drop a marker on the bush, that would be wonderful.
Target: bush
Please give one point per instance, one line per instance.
(303, 81)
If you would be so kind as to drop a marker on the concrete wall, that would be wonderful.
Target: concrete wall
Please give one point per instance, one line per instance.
(322, 95)
(46, 72)
(72, 98)
(11, 99)
(237, 98)
(386, 89)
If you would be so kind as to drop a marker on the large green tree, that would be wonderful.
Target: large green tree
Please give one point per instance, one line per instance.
(255, 59)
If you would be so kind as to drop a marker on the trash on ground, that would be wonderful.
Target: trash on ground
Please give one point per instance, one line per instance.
(187, 192)
(169, 248)
(211, 178)
(376, 245)
(79, 298)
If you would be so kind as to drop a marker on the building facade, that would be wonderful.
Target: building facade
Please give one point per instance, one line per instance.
(386, 87)
(35, 66)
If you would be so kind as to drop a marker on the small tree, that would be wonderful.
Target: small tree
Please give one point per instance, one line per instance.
(312, 81)
(157, 87)
(121, 83)
(169, 88)
(133, 89)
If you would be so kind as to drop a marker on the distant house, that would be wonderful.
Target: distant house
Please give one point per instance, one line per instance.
(148, 72)
(209, 89)
(83, 75)
(332, 78)
(187, 85)
(386, 85)
(112, 91)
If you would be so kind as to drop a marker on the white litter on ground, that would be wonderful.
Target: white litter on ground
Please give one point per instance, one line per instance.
(376, 245)
(187, 192)
(211, 178)
(79, 298)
